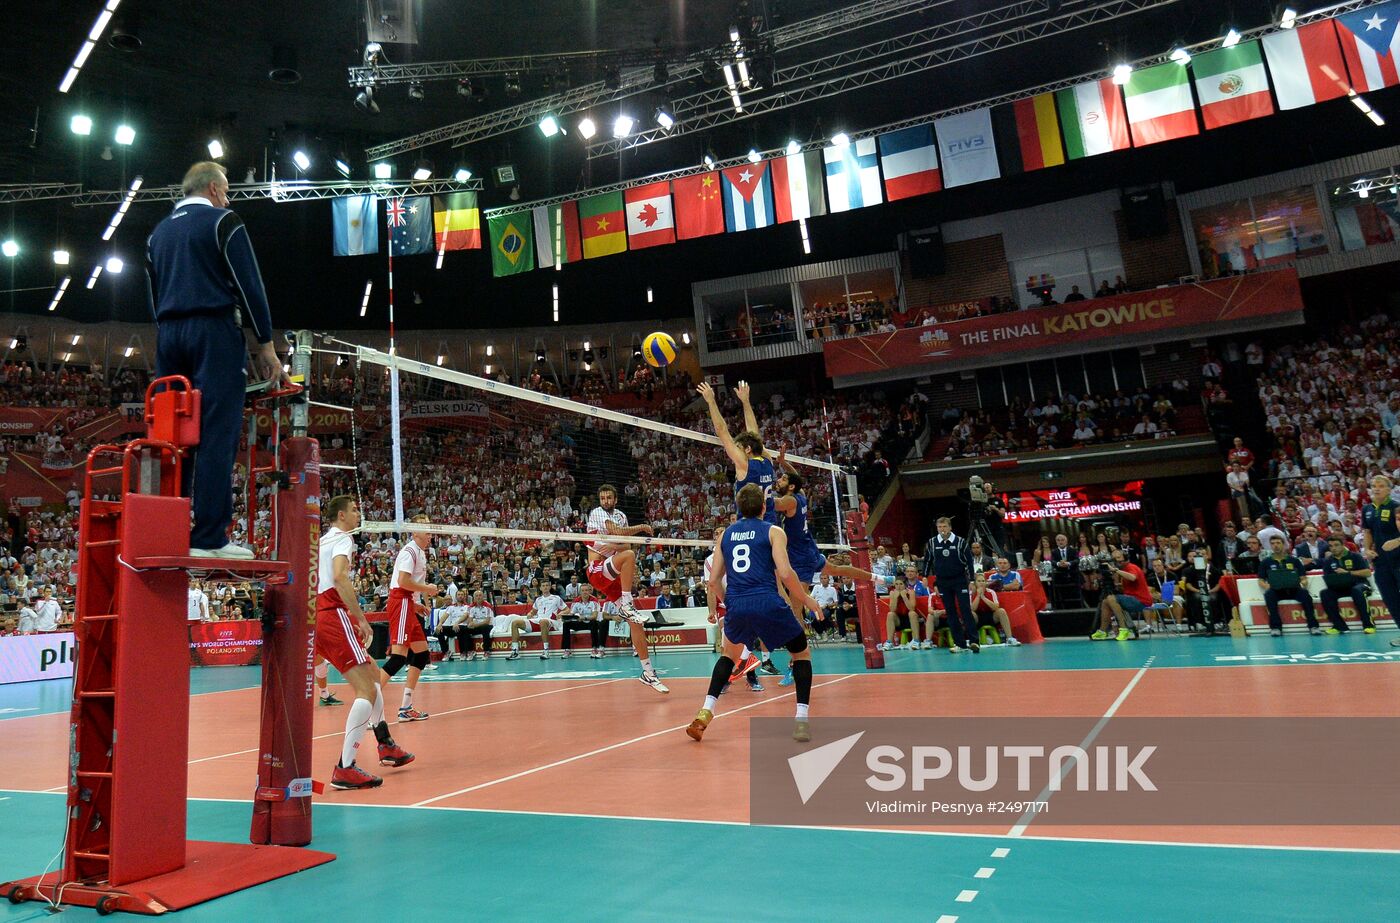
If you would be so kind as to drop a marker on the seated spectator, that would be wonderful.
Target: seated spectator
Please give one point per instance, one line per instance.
(1145, 427)
(825, 592)
(1347, 576)
(1164, 599)
(1104, 290)
(847, 612)
(1004, 578)
(1281, 577)
(451, 616)
(1074, 294)
(586, 613)
(988, 610)
(981, 561)
(901, 613)
(479, 622)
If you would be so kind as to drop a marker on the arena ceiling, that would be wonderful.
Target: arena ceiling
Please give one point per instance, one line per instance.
(203, 70)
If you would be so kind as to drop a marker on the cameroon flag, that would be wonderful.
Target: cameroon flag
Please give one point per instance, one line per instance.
(512, 246)
(456, 222)
(603, 224)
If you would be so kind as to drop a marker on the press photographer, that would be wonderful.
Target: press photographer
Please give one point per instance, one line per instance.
(1124, 598)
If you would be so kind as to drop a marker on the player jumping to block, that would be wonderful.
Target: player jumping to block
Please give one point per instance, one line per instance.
(407, 642)
(751, 557)
(612, 571)
(342, 638)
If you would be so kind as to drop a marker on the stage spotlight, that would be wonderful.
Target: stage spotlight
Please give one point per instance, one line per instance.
(216, 148)
(1181, 56)
(61, 257)
(300, 158)
(664, 117)
(549, 126)
(622, 125)
(115, 265)
(708, 159)
(364, 101)
(513, 85)
(464, 87)
(10, 248)
(1288, 18)
(125, 134)
(80, 125)
(793, 147)
(660, 74)
(383, 170)
(1121, 73)
(587, 128)
(415, 90)
(342, 167)
(462, 175)
(1232, 38)
(840, 139)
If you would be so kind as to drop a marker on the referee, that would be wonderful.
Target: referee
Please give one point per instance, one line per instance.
(201, 275)
(949, 559)
(1380, 536)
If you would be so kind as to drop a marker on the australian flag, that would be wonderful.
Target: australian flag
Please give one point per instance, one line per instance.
(410, 221)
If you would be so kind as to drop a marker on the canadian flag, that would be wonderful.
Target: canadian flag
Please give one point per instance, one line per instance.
(650, 221)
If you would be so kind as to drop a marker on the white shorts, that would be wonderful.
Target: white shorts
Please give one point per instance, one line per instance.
(550, 624)
(500, 624)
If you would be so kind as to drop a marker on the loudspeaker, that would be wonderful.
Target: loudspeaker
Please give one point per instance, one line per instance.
(926, 254)
(1144, 213)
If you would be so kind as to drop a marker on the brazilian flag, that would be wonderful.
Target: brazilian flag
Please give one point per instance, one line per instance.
(512, 243)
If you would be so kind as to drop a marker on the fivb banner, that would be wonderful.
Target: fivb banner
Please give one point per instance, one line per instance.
(1265, 300)
(1073, 502)
(26, 658)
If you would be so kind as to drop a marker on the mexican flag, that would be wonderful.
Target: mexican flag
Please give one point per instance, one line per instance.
(1160, 107)
(1093, 118)
(603, 224)
(1231, 85)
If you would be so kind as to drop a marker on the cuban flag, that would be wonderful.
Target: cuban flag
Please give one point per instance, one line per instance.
(748, 197)
(909, 159)
(852, 175)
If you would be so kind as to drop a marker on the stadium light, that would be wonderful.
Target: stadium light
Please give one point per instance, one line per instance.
(793, 147)
(650, 296)
(622, 125)
(98, 27)
(1288, 18)
(1232, 38)
(664, 117)
(462, 175)
(685, 338)
(441, 358)
(125, 135)
(59, 293)
(342, 168)
(61, 257)
(77, 338)
(840, 139)
(549, 126)
(115, 265)
(216, 148)
(300, 158)
(490, 350)
(1121, 73)
(754, 155)
(364, 304)
(80, 125)
(708, 160)
(1181, 56)
(126, 353)
(422, 170)
(587, 128)
(10, 248)
(383, 170)
(487, 368)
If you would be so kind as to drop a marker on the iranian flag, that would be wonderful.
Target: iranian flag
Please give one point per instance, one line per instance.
(1093, 118)
(650, 222)
(1231, 85)
(1160, 107)
(1306, 64)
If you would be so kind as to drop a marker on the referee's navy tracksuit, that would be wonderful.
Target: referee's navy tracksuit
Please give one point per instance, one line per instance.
(200, 271)
(950, 560)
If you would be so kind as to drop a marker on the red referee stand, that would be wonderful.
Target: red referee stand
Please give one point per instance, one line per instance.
(866, 606)
(124, 844)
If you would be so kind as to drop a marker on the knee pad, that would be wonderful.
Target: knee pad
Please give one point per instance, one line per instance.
(323, 670)
(797, 645)
(420, 659)
(394, 664)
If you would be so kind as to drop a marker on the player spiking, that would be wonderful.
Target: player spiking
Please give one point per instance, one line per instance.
(342, 638)
(407, 642)
(612, 571)
(751, 558)
(806, 559)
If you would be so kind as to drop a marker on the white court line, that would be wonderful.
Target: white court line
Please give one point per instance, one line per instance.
(893, 831)
(966, 897)
(1069, 764)
(985, 872)
(1001, 853)
(680, 727)
(947, 918)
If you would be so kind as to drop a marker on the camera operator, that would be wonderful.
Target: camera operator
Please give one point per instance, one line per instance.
(1347, 574)
(995, 518)
(949, 559)
(1125, 599)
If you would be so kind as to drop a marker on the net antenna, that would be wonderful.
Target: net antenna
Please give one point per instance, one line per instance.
(494, 462)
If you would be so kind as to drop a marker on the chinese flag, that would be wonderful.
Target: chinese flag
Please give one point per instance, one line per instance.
(698, 207)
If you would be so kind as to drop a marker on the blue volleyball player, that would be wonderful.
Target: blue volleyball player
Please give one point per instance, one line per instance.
(752, 555)
(751, 462)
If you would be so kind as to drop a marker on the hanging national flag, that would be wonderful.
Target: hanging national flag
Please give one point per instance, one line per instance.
(354, 225)
(852, 175)
(1371, 45)
(1028, 135)
(966, 148)
(650, 221)
(1160, 107)
(511, 243)
(797, 186)
(699, 212)
(410, 221)
(1093, 119)
(603, 224)
(909, 160)
(747, 192)
(556, 233)
(456, 222)
(1306, 65)
(1232, 85)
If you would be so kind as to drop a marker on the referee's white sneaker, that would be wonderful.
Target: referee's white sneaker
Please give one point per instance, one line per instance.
(228, 552)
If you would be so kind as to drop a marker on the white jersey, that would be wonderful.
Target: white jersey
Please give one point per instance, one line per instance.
(709, 566)
(547, 607)
(480, 613)
(47, 615)
(413, 560)
(334, 544)
(28, 620)
(453, 615)
(198, 606)
(598, 525)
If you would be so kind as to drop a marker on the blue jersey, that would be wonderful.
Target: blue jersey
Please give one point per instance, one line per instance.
(760, 472)
(751, 581)
(801, 546)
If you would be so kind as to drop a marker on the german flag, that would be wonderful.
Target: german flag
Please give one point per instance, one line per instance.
(456, 222)
(603, 224)
(1028, 135)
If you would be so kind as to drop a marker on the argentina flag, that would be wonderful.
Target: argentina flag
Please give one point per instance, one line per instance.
(852, 175)
(748, 197)
(354, 225)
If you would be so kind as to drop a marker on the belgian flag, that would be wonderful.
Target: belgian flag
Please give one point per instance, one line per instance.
(1028, 135)
(456, 222)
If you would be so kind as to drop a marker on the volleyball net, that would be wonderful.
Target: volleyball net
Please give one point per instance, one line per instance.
(502, 469)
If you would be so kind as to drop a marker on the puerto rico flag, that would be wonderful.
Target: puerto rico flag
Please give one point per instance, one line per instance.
(909, 159)
(1370, 40)
(748, 197)
(852, 175)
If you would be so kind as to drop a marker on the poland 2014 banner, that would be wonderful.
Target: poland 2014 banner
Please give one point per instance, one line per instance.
(26, 658)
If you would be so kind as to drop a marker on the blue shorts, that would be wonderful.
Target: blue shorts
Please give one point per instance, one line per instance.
(807, 567)
(1131, 604)
(771, 621)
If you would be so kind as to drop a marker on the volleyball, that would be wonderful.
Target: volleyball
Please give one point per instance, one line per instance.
(659, 350)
